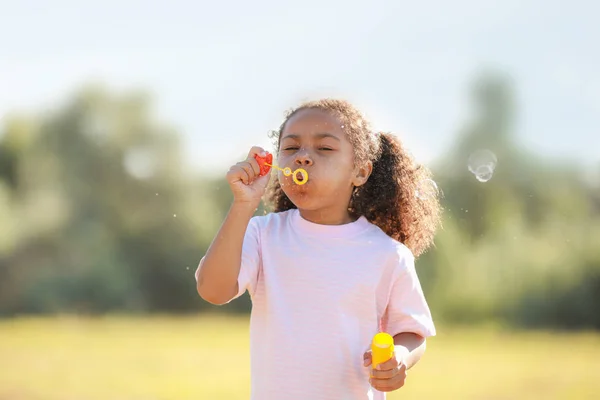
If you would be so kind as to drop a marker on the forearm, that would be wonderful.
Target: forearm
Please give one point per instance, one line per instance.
(219, 270)
(409, 347)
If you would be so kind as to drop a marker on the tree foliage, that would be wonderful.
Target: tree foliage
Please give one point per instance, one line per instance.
(99, 214)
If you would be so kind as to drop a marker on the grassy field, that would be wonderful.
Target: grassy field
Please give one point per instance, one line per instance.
(206, 357)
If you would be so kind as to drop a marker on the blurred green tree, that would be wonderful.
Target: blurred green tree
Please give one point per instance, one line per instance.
(508, 244)
(101, 214)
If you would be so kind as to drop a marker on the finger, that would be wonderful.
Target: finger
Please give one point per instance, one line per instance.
(245, 165)
(234, 174)
(384, 374)
(387, 385)
(240, 173)
(398, 381)
(254, 164)
(383, 385)
(367, 359)
(400, 369)
(388, 365)
(257, 150)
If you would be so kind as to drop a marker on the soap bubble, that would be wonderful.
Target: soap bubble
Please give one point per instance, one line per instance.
(482, 164)
(484, 173)
(427, 189)
(482, 157)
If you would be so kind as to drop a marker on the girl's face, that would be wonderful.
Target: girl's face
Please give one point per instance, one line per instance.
(315, 140)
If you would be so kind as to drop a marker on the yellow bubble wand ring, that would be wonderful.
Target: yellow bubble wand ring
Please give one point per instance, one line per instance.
(287, 172)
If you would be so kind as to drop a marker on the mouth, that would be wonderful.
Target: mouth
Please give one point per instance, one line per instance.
(297, 181)
(300, 176)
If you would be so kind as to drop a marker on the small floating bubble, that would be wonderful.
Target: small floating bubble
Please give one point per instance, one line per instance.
(174, 215)
(482, 164)
(484, 173)
(480, 158)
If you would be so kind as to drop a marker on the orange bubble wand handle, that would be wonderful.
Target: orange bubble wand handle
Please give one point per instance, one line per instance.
(382, 348)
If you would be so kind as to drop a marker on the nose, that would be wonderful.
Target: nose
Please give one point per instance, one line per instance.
(303, 158)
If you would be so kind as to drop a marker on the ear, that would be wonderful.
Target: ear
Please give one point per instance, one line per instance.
(362, 174)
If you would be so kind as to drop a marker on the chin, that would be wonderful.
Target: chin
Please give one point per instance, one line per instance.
(302, 201)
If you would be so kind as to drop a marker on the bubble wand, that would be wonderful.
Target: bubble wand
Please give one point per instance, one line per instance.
(265, 164)
(382, 348)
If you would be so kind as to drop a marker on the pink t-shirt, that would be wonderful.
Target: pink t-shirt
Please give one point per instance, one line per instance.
(319, 295)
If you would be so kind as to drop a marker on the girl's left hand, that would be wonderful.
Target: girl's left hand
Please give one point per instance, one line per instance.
(388, 376)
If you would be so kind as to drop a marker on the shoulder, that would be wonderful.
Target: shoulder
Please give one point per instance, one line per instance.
(271, 220)
(398, 256)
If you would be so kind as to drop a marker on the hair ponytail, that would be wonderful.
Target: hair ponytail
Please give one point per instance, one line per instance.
(389, 197)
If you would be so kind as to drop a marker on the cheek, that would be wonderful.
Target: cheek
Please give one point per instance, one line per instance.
(282, 160)
(286, 183)
(340, 171)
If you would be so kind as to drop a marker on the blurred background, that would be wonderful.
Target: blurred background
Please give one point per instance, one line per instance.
(119, 120)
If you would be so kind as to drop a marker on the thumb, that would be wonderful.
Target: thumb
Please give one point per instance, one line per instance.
(367, 358)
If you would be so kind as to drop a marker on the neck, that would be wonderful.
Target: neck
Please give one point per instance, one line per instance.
(327, 216)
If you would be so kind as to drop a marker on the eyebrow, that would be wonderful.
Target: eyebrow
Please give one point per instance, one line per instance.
(319, 135)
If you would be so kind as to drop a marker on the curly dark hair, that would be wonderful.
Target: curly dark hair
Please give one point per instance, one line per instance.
(390, 198)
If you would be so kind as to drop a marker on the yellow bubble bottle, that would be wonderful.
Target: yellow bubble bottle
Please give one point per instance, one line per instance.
(382, 348)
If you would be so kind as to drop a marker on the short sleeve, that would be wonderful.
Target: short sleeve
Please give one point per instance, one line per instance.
(407, 309)
(251, 260)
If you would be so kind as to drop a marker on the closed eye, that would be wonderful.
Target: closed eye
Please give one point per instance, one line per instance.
(293, 148)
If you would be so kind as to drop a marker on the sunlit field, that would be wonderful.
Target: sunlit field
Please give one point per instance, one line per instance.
(206, 357)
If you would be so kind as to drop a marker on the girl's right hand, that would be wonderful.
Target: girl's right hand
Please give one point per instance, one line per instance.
(245, 181)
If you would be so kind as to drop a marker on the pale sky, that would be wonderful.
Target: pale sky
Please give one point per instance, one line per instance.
(224, 72)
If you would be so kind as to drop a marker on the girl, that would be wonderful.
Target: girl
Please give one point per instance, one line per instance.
(333, 264)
